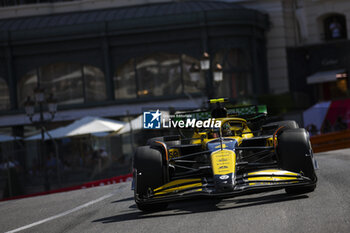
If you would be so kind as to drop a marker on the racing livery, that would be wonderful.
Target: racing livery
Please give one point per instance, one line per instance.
(240, 157)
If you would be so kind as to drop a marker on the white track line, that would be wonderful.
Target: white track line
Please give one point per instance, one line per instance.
(61, 214)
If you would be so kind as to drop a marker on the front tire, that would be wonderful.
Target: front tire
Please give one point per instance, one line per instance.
(148, 174)
(295, 154)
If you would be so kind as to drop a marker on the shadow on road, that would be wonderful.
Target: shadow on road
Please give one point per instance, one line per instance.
(199, 206)
(254, 201)
(122, 200)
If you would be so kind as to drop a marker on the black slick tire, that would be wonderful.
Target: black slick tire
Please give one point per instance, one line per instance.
(148, 174)
(294, 153)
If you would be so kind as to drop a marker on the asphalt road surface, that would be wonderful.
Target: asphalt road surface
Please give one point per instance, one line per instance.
(112, 209)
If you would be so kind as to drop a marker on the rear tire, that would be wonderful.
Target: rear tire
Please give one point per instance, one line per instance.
(148, 174)
(169, 140)
(294, 153)
(270, 128)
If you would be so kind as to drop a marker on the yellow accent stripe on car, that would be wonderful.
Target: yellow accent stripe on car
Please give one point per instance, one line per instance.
(269, 142)
(177, 182)
(271, 178)
(174, 153)
(220, 100)
(273, 183)
(275, 172)
(179, 188)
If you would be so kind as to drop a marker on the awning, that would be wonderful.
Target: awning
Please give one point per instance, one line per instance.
(157, 9)
(6, 138)
(325, 76)
(86, 125)
(135, 124)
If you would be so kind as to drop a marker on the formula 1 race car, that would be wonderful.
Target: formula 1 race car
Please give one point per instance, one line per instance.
(227, 161)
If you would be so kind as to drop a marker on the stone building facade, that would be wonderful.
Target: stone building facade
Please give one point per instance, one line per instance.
(288, 42)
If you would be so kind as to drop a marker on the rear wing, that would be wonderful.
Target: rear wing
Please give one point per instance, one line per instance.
(248, 112)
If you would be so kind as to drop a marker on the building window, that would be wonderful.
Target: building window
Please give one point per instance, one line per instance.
(26, 86)
(95, 85)
(191, 86)
(64, 80)
(4, 95)
(335, 27)
(125, 82)
(70, 83)
(159, 75)
(237, 81)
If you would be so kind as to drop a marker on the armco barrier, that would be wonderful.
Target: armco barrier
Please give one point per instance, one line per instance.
(114, 180)
(331, 141)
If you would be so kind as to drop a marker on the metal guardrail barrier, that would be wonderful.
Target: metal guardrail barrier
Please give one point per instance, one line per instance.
(331, 141)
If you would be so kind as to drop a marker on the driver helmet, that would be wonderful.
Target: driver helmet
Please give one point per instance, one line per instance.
(226, 130)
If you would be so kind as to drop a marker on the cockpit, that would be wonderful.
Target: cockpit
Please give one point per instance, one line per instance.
(232, 128)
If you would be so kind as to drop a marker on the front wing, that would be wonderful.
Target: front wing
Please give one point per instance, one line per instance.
(253, 182)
